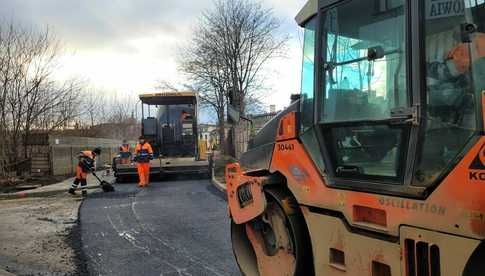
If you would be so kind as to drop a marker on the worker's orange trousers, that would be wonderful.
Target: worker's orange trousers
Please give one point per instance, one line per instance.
(80, 174)
(80, 179)
(143, 173)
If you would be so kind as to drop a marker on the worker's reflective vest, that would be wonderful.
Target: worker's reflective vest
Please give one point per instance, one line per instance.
(125, 148)
(143, 153)
(87, 160)
(125, 151)
(460, 55)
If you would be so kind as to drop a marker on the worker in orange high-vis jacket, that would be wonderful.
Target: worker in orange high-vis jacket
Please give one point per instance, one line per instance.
(469, 48)
(459, 58)
(143, 155)
(125, 153)
(86, 164)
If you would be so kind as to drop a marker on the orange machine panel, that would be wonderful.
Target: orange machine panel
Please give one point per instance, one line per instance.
(287, 127)
(245, 195)
(483, 108)
(456, 206)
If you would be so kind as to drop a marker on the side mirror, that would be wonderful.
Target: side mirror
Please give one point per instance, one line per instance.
(374, 53)
(467, 29)
(295, 97)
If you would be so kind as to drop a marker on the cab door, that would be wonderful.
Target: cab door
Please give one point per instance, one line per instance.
(365, 108)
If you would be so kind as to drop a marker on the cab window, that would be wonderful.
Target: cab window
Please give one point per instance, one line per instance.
(307, 75)
(365, 61)
(454, 80)
(365, 72)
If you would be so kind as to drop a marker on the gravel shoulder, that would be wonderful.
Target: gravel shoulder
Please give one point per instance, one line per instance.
(39, 236)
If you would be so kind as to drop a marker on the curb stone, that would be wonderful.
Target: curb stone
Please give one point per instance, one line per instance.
(220, 186)
(5, 273)
(20, 195)
(51, 190)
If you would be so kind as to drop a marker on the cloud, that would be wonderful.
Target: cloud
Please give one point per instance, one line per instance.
(127, 45)
(95, 23)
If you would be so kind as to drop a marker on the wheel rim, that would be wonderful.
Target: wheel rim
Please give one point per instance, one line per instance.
(272, 243)
(277, 242)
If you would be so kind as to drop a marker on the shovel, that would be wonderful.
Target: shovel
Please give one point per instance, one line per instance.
(105, 185)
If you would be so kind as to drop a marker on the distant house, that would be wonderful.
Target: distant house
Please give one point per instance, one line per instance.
(245, 130)
(259, 120)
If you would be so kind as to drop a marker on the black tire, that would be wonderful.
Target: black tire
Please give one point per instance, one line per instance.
(475, 265)
(296, 225)
(298, 229)
(243, 250)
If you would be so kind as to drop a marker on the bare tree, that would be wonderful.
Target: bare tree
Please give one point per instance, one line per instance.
(58, 106)
(231, 45)
(166, 85)
(29, 97)
(5, 42)
(93, 107)
(211, 82)
(247, 35)
(120, 111)
(105, 116)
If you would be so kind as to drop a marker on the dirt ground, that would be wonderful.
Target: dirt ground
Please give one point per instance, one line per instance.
(39, 236)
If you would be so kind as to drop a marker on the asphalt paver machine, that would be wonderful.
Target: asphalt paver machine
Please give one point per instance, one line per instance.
(173, 134)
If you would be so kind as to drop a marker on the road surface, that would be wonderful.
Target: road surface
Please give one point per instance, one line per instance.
(170, 228)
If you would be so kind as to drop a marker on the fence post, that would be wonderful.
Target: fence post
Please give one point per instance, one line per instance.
(50, 153)
(71, 161)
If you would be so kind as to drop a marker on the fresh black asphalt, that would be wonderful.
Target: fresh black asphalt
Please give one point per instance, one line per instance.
(170, 228)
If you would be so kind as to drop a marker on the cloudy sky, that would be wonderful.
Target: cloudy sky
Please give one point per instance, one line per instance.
(125, 46)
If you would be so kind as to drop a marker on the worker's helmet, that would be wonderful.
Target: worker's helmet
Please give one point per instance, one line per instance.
(97, 151)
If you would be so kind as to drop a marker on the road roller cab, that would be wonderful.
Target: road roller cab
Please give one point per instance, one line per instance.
(376, 169)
